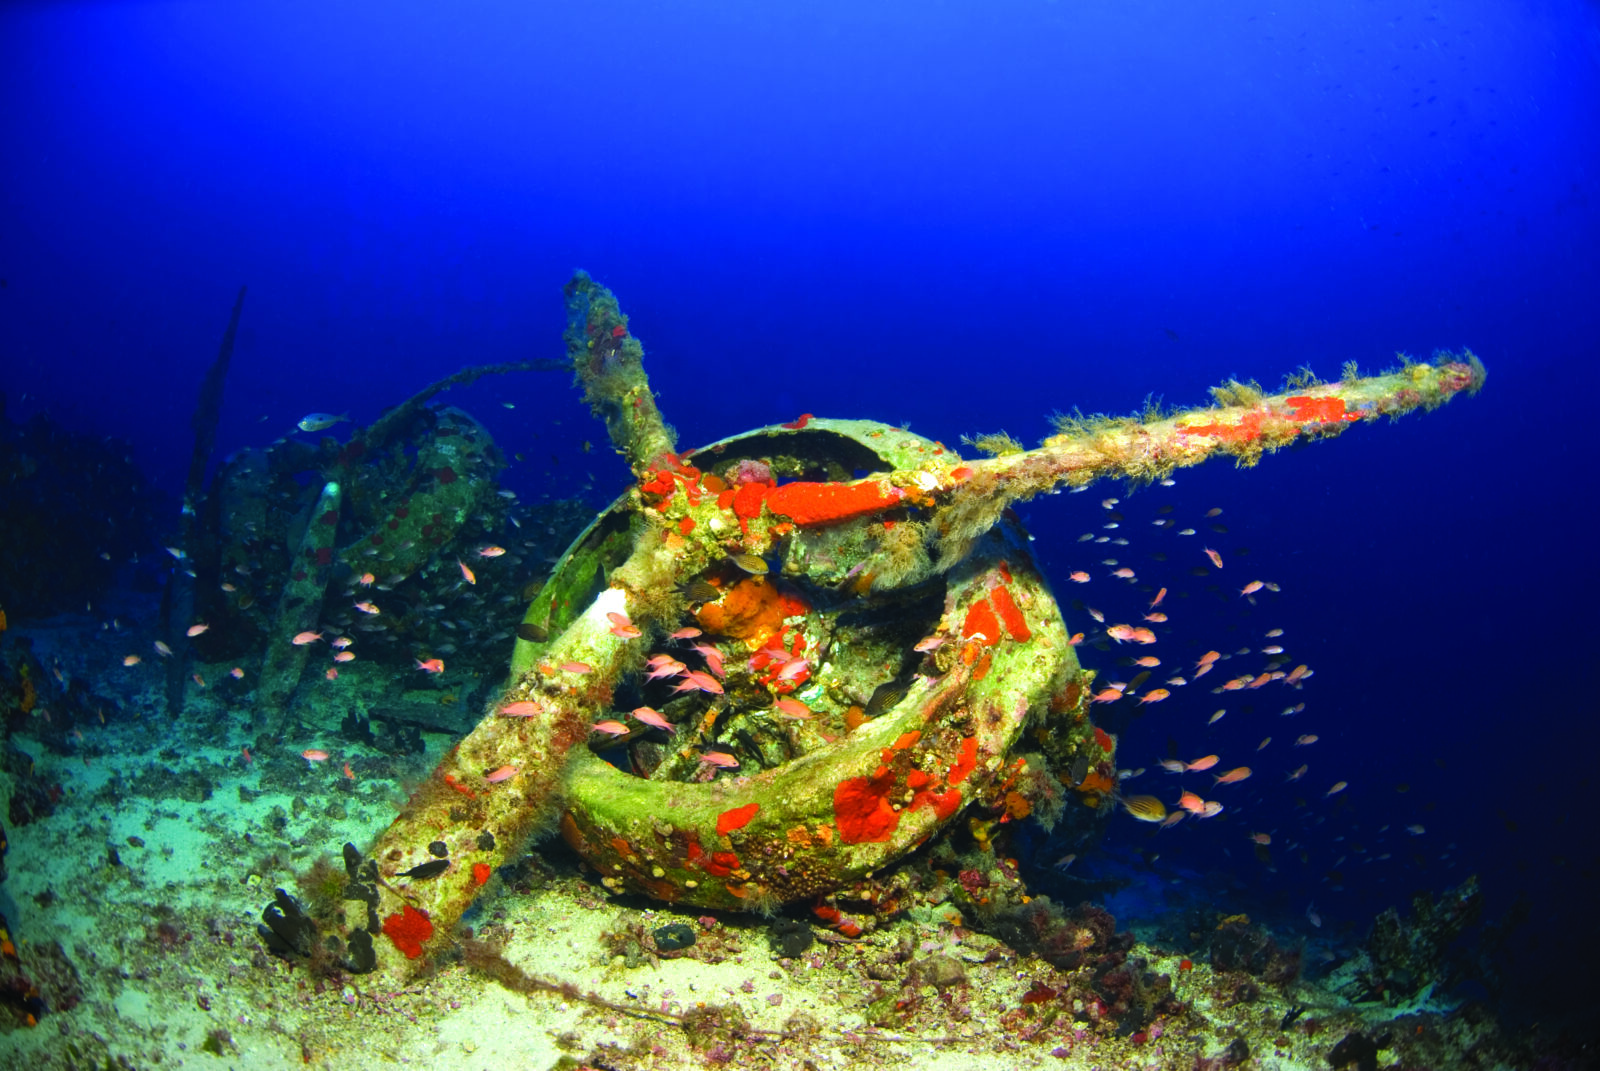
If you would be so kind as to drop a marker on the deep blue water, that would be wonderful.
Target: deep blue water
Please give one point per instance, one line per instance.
(957, 216)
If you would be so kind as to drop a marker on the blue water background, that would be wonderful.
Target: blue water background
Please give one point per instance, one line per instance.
(958, 216)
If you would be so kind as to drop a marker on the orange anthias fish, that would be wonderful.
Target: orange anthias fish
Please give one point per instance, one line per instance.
(1216, 559)
(1157, 600)
(504, 773)
(1079, 577)
(1251, 588)
(705, 682)
(367, 607)
(669, 668)
(467, 574)
(303, 638)
(313, 754)
(1208, 658)
(652, 717)
(522, 708)
(1233, 776)
(432, 665)
(1199, 765)
(1191, 803)
(792, 708)
(195, 630)
(579, 668)
(1147, 661)
(622, 626)
(720, 759)
(1154, 695)
(491, 551)
(610, 728)
(345, 656)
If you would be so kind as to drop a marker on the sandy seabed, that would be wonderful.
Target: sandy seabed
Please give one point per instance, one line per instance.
(136, 901)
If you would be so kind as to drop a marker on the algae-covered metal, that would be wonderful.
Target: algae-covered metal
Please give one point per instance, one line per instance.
(798, 673)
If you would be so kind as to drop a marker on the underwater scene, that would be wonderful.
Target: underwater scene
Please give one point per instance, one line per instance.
(637, 536)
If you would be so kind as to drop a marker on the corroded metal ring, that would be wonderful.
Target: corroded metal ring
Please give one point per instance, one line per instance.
(839, 812)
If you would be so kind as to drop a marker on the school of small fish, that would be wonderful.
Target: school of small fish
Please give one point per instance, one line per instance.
(1276, 794)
